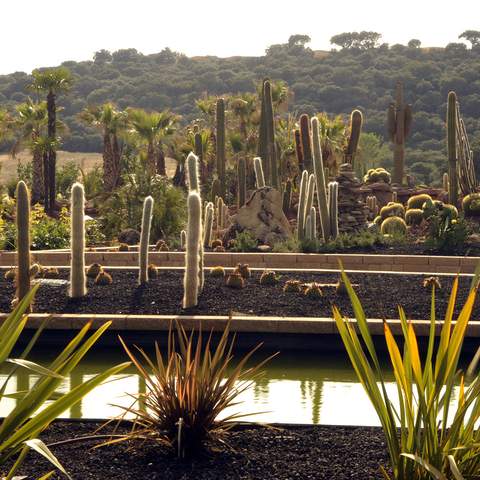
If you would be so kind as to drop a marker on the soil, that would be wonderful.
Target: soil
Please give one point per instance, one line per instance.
(252, 452)
(380, 295)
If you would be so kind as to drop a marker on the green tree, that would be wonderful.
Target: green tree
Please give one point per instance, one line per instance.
(472, 36)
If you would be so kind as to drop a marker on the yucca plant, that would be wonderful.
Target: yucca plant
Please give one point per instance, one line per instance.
(433, 433)
(20, 428)
(187, 388)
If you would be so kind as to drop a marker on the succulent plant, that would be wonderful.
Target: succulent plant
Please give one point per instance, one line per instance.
(259, 176)
(393, 226)
(145, 240)
(10, 275)
(217, 272)
(302, 202)
(35, 270)
(243, 270)
(306, 141)
(208, 225)
(292, 286)
(414, 216)
(152, 271)
(417, 201)
(378, 220)
(103, 278)
(242, 181)
(392, 210)
(219, 249)
(217, 243)
(183, 239)
(356, 121)
(220, 145)
(268, 277)
(22, 280)
(78, 280)
(313, 291)
(471, 205)
(93, 270)
(123, 247)
(433, 282)
(235, 280)
(375, 175)
(51, 272)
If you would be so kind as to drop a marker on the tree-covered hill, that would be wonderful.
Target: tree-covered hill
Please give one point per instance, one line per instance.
(359, 74)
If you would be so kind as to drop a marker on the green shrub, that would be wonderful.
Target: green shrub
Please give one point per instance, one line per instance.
(244, 242)
(65, 177)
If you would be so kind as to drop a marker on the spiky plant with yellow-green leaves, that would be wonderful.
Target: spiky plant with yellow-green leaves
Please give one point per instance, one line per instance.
(188, 386)
(433, 433)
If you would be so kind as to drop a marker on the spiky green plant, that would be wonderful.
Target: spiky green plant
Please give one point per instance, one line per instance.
(333, 208)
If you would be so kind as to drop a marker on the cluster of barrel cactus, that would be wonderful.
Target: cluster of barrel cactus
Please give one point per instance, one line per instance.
(375, 175)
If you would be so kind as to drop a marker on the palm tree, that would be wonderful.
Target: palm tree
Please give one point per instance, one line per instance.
(333, 139)
(111, 122)
(152, 128)
(52, 82)
(5, 125)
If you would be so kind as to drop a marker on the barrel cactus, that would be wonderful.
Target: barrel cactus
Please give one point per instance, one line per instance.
(417, 201)
(394, 226)
(375, 175)
(471, 205)
(414, 216)
(392, 209)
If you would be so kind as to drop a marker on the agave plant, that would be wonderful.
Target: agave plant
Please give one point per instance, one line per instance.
(432, 433)
(20, 428)
(187, 389)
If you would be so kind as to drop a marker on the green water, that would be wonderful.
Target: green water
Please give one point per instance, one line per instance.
(296, 388)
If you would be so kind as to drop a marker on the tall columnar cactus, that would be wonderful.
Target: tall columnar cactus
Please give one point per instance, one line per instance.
(333, 208)
(313, 223)
(78, 279)
(308, 228)
(452, 148)
(259, 176)
(183, 239)
(287, 196)
(299, 149)
(356, 121)
(445, 182)
(320, 181)
(310, 195)
(193, 174)
(220, 145)
(302, 201)
(262, 150)
(242, 181)
(306, 142)
(23, 240)
(145, 240)
(220, 207)
(270, 129)
(208, 224)
(399, 125)
(191, 282)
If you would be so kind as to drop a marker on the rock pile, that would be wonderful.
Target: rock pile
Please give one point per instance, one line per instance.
(352, 211)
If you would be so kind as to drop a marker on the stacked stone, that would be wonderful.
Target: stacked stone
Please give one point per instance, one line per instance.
(352, 210)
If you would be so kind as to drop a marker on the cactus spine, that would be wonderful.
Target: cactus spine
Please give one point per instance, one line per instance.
(320, 180)
(23, 240)
(302, 200)
(399, 125)
(220, 213)
(220, 144)
(356, 121)
(306, 141)
(78, 279)
(145, 240)
(333, 208)
(208, 224)
(259, 177)
(191, 281)
(242, 181)
(270, 131)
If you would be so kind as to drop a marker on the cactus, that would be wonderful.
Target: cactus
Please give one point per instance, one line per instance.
(235, 280)
(392, 210)
(308, 228)
(207, 240)
(123, 247)
(217, 243)
(217, 272)
(310, 196)
(306, 141)
(243, 269)
(445, 181)
(51, 272)
(192, 260)
(270, 131)
(375, 175)
(394, 197)
(333, 208)
(313, 223)
(162, 246)
(103, 278)
(10, 275)
(152, 271)
(372, 204)
(220, 213)
(313, 291)
(414, 216)
(471, 205)
(262, 150)
(93, 270)
(242, 181)
(35, 270)
(145, 240)
(302, 201)
(417, 201)
(215, 191)
(78, 281)
(356, 121)
(268, 277)
(183, 239)
(259, 177)
(399, 124)
(320, 181)
(292, 286)
(220, 145)
(287, 197)
(23, 241)
(298, 149)
(192, 171)
(394, 226)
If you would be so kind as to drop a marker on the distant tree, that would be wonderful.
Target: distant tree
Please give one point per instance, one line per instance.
(344, 40)
(472, 36)
(102, 56)
(414, 43)
(455, 48)
(357, 40)
(298, 40)
(126, 55)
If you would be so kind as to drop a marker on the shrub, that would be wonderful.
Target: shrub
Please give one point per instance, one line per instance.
(244, 242)
(268, 277)
(65, 177)
(433, 431)
(445, 234)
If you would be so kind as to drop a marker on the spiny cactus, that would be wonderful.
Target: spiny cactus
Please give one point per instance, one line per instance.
(243, 269)
(262, 150)
(103, 278)
(78, 281)
(259, 176)
(193, 174)
(162, 246)
(292, 286)
(356, 121)
(268, 277)
(145, 240)
(393, 226)
(313, 291)
(313, 223)
(471, 205)
(220, 144)
(333, 208)
(207, 240)
(320, 181)
(235, 280)
(217, 243)
(23, 241)
(93, 270)
(372, 204)
(152, 271)
(310, 195)
(192, 260)
(399, 125)
(392, 210)
(270, 130)
(302, 201)
(217, 272)
(298, 149)
(395, 197)
(417, 201)
(414, 216)
(183, 239)
(445, 181)
(215, 192)
(10, 275)
(306, 141)
(287, 196)
(375, 175)
(308, 228)
(242, 181)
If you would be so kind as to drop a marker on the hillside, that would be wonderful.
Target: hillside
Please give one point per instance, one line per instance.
(335, 82)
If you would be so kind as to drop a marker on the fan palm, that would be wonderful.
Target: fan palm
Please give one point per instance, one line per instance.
(333, 139)
(52, 82)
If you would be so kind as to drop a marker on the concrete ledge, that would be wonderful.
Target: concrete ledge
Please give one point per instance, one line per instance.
(251, 324)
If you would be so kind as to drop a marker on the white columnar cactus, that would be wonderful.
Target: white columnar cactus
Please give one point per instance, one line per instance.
(145, 240)
(78, 279)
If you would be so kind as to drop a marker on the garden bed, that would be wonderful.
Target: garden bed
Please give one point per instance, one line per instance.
(380, 295)
(304, 452)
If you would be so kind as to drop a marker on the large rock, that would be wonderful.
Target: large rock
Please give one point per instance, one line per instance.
(263, 217)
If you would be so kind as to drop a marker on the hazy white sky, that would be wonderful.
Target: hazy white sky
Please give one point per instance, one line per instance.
(44, 33)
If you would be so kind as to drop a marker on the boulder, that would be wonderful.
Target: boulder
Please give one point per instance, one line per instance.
(262, 216)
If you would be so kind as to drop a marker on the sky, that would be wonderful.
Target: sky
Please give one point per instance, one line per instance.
(36, 33)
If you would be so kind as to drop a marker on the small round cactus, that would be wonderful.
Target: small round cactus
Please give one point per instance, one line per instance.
(471, 205)
(432, 282)
(313, 291)
(292, 286)
(243, 270)
(93, 270)
(417, 201)
(10, 275)
(103, 278)
(392, 209)
(414, 216)
(152, 271)
(51, 272)
(123, 247)
(162, 246)
(35, 270)
(375, 175)
(394, 226)
(268, 277)
(377, 220)
(219, 248)
(217, 243)
(217, 272)
(235, 280)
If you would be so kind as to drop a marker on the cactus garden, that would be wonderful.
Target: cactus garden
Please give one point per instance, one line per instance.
(203, 245)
